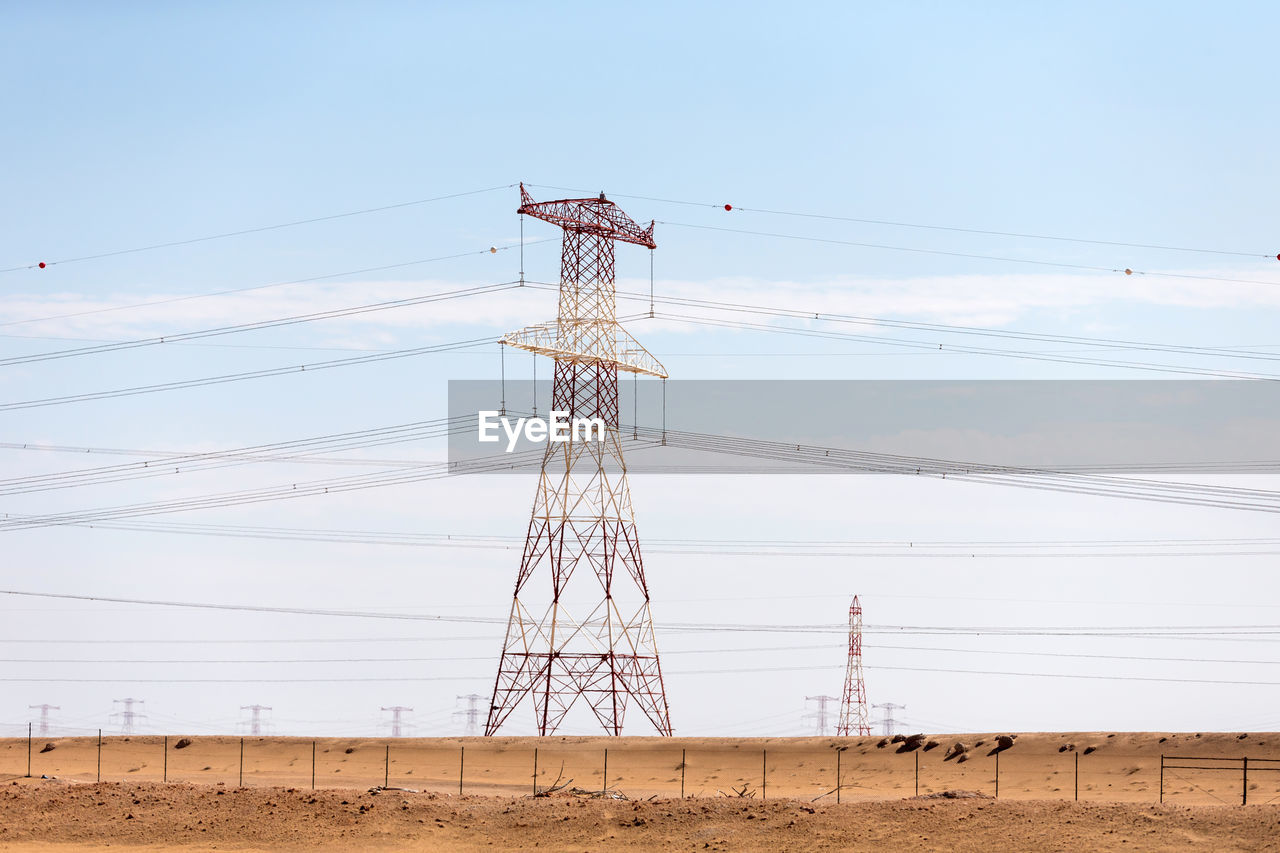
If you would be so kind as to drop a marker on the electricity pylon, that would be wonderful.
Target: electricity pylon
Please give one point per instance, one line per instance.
(889, 722)
(819, 716)
(854, 719)
(44, 717)
(128, 717)
(255, 722)
(582, 530)
(397, 718)
(471, 714)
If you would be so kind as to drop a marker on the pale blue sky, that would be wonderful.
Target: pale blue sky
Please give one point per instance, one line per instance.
(131, 124)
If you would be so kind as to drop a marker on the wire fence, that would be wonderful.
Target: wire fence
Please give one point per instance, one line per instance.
(812, 769)
(1193, 770)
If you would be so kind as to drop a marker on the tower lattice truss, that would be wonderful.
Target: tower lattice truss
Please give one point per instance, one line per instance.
(854, 717)
(580, 627)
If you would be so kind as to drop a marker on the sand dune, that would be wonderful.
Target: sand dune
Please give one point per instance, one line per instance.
(1101, 767)
(889, 795)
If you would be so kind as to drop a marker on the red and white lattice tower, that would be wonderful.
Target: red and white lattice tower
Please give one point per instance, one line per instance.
(854, 717)
(582, 534)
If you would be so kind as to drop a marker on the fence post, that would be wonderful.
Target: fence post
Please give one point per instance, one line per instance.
(1162, 777)
(764, 774)
(462, 762)
(917, 755)
(1077, 755)
(997, 774)
(535, 771)
(241, 762)
(682, 769)
(313, 765)
(165, 778)
(838, 751)
(1244, 788)
(386, 769)
(606, 770)
(99, 755)
(28, 750)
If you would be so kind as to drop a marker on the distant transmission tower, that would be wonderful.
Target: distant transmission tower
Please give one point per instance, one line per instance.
(854, 719)
(819, 716)
(397, 719)
(889, 722)
(255, 721)
(44, 717)
(582, 532)
(128, 717)
(471, 713)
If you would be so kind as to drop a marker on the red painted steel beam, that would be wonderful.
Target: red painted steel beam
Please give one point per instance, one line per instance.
(591, 215)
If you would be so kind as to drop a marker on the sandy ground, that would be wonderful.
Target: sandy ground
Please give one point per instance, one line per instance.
(41, 815)
(788, 786)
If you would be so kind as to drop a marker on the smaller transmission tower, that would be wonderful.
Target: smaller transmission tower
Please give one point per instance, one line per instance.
(397, 718)
(471, 713)
(889, 722)
(854, 720)
(44, 717)
(255, 721)
(128, 717)
(819, 716)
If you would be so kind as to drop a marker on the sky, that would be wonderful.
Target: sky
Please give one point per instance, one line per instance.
(995, 168)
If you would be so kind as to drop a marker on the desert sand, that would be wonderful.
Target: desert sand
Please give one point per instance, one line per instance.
(752, 794)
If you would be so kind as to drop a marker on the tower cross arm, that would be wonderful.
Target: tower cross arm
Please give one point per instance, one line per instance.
(618, 347)
(593, 215)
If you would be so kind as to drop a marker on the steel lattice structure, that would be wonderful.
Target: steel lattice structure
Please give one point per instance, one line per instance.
(582, 533)
(854, 718)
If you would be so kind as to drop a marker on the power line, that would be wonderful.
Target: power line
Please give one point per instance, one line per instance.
(677, 627)
(287, 491)
(1078, 655)
(253, 374)
(167, 464)
(935, 346)
(699, 651)
(721, 548)
(818, 457)
(677, 673)
(280, 347)
(173, 299)
(970, 255)
(896, 224)
(1003, 673)
(1025, 355)
(257, 230)
(241, 641)
(443, 426)
(275, 323)
(239, 680)
(1016, 234)
(854, 319)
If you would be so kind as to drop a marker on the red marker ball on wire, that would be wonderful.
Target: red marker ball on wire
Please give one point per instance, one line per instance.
(730, 207)
(42, 265)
